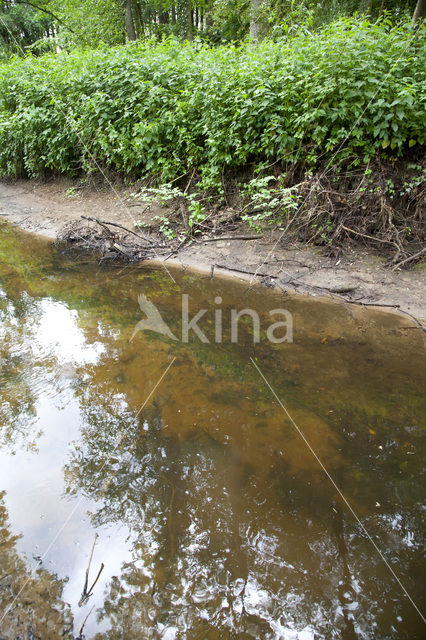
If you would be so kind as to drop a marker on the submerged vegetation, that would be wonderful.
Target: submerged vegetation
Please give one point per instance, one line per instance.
(318, 130)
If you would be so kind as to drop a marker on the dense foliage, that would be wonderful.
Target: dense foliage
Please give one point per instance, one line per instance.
(314, 121)
(69, 23)
(352, 89)
(24, 28)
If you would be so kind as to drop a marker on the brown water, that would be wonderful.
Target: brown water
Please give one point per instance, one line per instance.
(214, 519)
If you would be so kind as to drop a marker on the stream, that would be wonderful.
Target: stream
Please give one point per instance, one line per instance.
(169, 470)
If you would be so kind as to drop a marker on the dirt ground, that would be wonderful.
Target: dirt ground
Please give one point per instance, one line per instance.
(359, 276)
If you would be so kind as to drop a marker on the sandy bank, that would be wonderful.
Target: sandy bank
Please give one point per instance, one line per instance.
(358, 276)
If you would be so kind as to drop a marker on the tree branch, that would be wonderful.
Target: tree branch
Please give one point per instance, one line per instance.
(36, 6)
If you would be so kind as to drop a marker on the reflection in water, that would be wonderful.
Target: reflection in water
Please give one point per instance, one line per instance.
(34, 604)
(214, 521)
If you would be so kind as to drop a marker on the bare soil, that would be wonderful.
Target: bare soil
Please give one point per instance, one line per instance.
(357, 276)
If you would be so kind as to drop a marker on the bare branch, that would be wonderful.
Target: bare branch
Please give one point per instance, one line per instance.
(55, 17)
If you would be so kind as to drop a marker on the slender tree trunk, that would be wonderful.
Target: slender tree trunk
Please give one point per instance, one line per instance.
(163, 17)
(420, 11)
(188, 15)
(365, 7)
(184, 18)
(189, 32)
(139, 20)
(208, 17)
(256, 26)
(130, 27)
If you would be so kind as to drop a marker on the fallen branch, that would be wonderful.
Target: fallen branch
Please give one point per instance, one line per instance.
(99, 222)
(328, 290)
(228, 238)
(175, 251)
(86, 593)
(413, 257)
(364, 235)
(246, 271)
(120, 226)
(392, 306)
(80, 634)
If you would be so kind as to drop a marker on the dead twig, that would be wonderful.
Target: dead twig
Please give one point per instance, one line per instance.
(219, 238)
(189, 182)
(364, 235)
(246, 271)
(80, 633)
(120, 226)
(89, 593)
(413, 257)
(86, 593)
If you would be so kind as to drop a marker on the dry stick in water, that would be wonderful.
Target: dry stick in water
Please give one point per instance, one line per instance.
(87, 593)
(86, 581)
(80, 633)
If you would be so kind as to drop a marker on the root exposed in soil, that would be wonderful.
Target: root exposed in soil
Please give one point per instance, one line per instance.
(380, 206)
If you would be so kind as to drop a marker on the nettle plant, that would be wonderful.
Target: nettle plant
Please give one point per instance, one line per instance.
(351, 90)
(268, 203)
(164, 195)
(415, 180)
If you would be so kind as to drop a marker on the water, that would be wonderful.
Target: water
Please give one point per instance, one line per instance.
(213, 518)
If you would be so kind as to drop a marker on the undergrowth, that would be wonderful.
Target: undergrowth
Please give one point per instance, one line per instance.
(293, 116)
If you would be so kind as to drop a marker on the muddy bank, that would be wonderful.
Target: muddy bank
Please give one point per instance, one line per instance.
(357, 276)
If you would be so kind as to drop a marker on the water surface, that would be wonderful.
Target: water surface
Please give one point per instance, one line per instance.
(213, 518)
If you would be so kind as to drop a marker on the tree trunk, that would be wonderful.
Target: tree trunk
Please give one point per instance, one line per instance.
(138, 20)
(189, 30)
(163, 18)
(256, 26)
(130, 27)
(420, 11)
(208, 17)
(184, 18)
(365, 7)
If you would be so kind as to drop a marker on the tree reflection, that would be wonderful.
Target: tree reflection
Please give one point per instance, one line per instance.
(30, 603)
(18, 374)
(223, 549)
(235, 532)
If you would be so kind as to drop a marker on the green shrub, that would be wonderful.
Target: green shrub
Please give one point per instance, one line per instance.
(352, 89)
